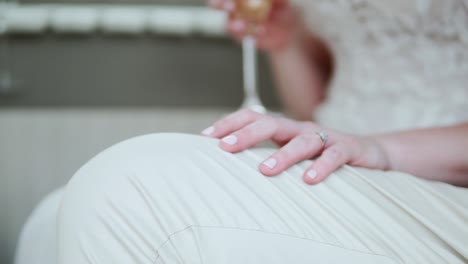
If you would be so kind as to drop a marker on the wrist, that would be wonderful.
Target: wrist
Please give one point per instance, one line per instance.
(371, 153)
(383, 145)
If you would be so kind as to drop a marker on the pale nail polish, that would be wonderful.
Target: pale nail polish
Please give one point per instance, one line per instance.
(231, 140)
(270, 163)
(312, 174)
(229, 6)
(208, 131)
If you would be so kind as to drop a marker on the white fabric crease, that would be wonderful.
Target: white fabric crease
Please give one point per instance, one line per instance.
(180, 199)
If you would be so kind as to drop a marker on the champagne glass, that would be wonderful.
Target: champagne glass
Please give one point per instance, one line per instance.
(254, 12)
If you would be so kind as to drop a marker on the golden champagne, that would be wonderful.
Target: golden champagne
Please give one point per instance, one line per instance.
(254, 11)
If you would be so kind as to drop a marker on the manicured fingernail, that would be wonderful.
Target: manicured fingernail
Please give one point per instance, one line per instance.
(312, 174)
(270, 163)
(229, 6)
(238, 25)
(208, 131)
(230, 140)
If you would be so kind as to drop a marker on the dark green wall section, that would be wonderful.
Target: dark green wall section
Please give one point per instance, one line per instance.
(147, 70)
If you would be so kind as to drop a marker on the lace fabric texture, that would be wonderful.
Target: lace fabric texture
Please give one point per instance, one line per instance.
(400, 64)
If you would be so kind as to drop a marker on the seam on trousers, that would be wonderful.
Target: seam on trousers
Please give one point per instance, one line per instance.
(394, 258)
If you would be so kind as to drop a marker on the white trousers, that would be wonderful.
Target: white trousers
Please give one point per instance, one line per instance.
(172, 198)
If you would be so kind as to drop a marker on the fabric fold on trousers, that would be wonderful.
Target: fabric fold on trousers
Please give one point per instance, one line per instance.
(172, 198)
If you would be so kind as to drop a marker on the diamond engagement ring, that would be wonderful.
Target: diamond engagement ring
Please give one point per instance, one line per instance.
(323, 136)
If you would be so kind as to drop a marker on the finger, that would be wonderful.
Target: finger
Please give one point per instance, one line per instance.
(231, 123)
(331, 159)
(237, 27)
(289, 129)
(226, 5)
(261, 130)
(298, 149)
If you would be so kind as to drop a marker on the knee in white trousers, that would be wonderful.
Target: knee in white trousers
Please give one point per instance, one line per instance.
(172, 198)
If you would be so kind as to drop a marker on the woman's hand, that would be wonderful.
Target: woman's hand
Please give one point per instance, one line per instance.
(299, 141)
(275, 34)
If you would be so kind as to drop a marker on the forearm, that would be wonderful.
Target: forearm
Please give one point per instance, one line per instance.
(439, 154)
(300, 80)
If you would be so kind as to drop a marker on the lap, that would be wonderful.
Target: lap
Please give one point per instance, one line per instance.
(158, 197)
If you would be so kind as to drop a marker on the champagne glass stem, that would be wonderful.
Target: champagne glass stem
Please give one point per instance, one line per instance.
(252, 99)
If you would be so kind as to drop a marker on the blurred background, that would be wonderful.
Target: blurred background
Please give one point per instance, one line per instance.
(77, 76)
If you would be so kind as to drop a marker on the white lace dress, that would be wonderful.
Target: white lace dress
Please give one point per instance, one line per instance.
(400, 64)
